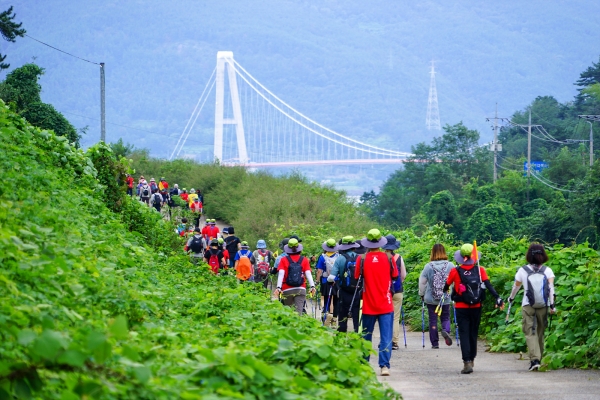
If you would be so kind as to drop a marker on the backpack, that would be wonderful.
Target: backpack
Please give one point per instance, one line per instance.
(329, 261)
(196, 244)
(295, 276)
(349, 283)
(244, 267)
(538, 290)
(213, 261)
(473, 293)
(153, 186)
(262, 267)
(145, 191)
(157, 199)
(438, 282)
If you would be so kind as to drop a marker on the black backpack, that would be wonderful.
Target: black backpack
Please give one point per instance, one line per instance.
(145, 191)
(348, 283)
(295, 276)
(471, 278)
(196, 244)
(157, 199)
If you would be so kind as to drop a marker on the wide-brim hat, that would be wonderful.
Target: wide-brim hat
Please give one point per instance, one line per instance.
(347, 246)
(374, 240)
(297, 247)
(459, 258)
(261, 244)
(392, 243)
(329, 248)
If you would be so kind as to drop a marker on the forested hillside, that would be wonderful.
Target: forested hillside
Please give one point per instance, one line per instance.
(360, 68)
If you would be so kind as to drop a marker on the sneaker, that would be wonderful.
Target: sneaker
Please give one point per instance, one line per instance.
(447, 338)
(435, 346)
(385, 371)
(535, 364)
(467, 368)
(395, 346)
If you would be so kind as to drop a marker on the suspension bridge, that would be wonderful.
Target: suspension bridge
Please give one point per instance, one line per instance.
(255, 128)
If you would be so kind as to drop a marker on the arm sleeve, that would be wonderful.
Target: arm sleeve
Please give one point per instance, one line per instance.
(402, 269)
(489, 287)
(423, 282)
(280, 278)
(309, 278)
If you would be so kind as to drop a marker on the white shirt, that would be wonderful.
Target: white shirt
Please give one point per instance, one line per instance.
(521, 276)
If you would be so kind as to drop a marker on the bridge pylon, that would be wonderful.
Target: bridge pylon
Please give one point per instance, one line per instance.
(225, 63)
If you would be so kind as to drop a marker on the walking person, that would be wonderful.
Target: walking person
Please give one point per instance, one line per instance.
(398, 292)
(263, 260)
(129, 182)
(350, 289)
(195, 245)
(537, 281)
(232, 243)
(244, 263)
(329, 289)
(466, 281)
(293, 273)
(214, 257)
(431, 288)
(378, 271)
(196, 209)
(156, 200)
(145, 192)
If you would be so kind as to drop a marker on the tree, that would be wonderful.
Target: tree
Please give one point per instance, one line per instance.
(9, 30)
(45, 116)
(121, 149)
(440, 208)
(493, 221)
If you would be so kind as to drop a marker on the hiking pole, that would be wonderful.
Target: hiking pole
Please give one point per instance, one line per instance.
(455, 325)
(403, 328)
(438, 309)
(423, 322)
(354, 296)
(507, 313)
(326, 309)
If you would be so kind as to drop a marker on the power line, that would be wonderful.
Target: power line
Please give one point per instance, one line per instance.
(62, 51)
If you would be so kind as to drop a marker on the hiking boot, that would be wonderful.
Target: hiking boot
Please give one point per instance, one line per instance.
(395, 346)
(447, 338)
(385, 371)
(328, 319)
(534, 365)
(334, 323)
(435, 346)
(467, 368)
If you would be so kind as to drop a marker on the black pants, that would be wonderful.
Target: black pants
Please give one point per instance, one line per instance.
(345, 301)
(468, 320)
(129, 191)
(334, 298)
(197, 220)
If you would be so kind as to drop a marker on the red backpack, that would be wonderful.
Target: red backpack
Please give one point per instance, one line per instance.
(262, 267)
(213, 261)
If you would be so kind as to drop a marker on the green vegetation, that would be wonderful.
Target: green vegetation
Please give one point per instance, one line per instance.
(450, 180)
(10, 30)
(256, 203)
(97, 301)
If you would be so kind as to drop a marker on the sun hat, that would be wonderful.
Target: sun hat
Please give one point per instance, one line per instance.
(392, 243)
(261, 244)
(152, 180)
(176, 186)
(283, 242)
(296, 237)
(221, 240)
(192, 190)
(244, 244)
(293, 246)
(463, 256)
(226, 231)
(213, 221)
(374, 239)
(347, 243)
(329, 245)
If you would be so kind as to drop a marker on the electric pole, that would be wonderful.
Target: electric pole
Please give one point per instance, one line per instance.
(102, 106)
(528, 154)
(495, 146)
(590, 119)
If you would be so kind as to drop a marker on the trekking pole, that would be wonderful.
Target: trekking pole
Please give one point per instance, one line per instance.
(455, 325)
(507, 313)
(403, 328)
(423, 322)
(326, 309)
(438, 309)
(354, 296)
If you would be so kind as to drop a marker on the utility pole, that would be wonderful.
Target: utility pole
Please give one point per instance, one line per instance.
(528, 154)
(102, 106)
(495, 146)
(590, 119)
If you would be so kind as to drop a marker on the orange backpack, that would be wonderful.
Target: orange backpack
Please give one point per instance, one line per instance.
(244, 267)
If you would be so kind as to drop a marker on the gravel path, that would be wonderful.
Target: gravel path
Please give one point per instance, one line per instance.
(419, 373)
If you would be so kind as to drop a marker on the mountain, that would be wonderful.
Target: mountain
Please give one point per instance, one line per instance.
(360, 68)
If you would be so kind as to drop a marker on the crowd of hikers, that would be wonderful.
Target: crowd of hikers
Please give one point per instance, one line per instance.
(362, 281)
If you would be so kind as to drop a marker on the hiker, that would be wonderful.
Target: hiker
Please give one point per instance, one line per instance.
(156, 200)
(431, 288)
(129, 181)
(196, 246)
(467, 293)
(163, 185)
(329, 289)
(282, 244)
(397, 290)
(182, 227)
(200, 197)
(537, 281)
(175, 191)
(184, 195)
(294, 271)
(350, 291)
(212, 230)
(145, 193)
(244, 263)
(196, 209)
(153, 185)
(214, 257)
(192, 196)
(231, 242)
(263, 260)
(141, 183)
(226, 256)
(378, 272)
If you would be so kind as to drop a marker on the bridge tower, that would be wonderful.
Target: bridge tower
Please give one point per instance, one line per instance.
(433, 112)
(225, 63)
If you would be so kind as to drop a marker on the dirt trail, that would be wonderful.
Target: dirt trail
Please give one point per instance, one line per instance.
(419, 373)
